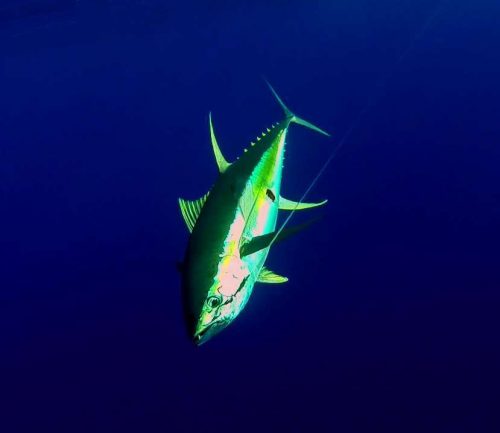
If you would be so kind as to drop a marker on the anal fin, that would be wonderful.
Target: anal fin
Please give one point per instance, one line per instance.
(285, 204)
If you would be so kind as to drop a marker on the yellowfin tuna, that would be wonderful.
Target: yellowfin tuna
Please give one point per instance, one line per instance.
(232, 228)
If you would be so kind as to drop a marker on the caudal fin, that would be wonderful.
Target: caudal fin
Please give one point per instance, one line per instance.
(293, 118)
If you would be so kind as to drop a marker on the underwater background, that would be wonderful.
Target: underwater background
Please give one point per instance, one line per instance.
(390, 320)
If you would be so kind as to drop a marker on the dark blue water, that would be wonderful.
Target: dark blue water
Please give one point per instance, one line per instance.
(389, 322)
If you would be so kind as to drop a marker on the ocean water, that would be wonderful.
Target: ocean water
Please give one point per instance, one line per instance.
(389, 322)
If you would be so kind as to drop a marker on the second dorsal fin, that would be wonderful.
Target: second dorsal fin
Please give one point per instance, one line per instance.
(219, 158)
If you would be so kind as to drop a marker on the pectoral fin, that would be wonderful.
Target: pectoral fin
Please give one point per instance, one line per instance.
(267, 276)
(191, 210)
(247, 201)
(221, 161)
(285, 204)
(260, 242)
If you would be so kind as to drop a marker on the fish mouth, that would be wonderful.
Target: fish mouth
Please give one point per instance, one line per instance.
(203, 335)
(198, 339)
(207, 332)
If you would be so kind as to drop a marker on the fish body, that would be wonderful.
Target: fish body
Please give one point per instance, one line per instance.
(232, 228)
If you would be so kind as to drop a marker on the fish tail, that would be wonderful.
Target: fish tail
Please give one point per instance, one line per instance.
(293, 118)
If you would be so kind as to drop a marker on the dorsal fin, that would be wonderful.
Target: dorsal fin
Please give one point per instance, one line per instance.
(191, 209)
(221, 161)
(267, 276)
(285, 204)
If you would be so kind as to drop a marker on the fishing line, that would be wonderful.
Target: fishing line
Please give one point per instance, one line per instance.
(381, 85)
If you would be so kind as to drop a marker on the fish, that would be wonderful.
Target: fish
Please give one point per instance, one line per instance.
(232, 228)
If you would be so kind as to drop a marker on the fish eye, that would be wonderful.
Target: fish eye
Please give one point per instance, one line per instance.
(213, 301)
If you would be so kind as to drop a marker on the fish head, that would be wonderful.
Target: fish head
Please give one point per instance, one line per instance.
(224, 300)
